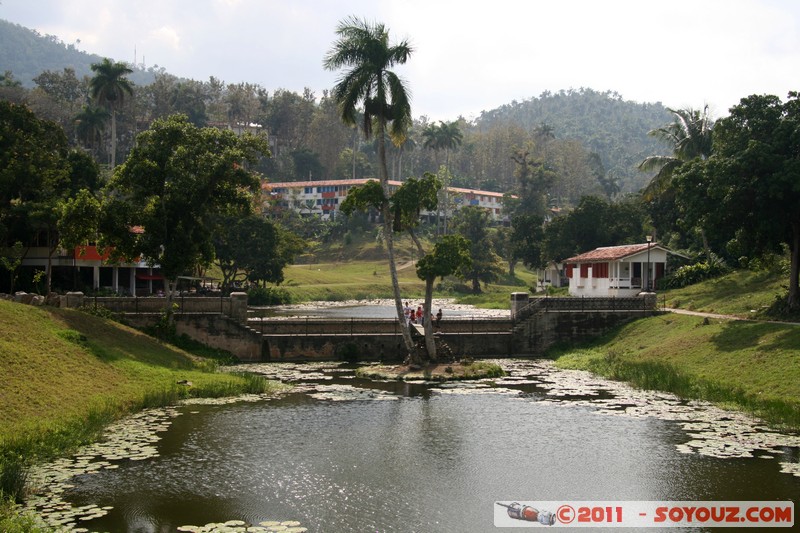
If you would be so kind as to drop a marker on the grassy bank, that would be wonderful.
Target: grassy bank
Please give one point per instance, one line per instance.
(743, 293)
(67, 374)
(746, 365)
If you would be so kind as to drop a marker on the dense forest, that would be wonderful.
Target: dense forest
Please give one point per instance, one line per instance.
(591, 140)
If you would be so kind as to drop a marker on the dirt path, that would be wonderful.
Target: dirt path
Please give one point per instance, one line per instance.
(726, 317)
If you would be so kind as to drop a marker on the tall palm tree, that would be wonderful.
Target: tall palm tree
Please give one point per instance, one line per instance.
(90, 124)
(109, 86)
(690, 136)
(446, 136)
(364, 50)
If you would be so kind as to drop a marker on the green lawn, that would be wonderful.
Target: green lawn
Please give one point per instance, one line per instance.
(61, 365)
(742, 293)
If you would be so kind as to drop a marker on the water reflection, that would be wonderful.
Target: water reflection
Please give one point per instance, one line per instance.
(433, 459)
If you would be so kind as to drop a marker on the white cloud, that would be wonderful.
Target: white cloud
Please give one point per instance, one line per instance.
(468, 57)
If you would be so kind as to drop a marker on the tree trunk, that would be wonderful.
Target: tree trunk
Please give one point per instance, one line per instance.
(794, 292)
(51, 248)
(706, 247)
(476, 286)
(388, 237)
(113, 136)
(430, 343)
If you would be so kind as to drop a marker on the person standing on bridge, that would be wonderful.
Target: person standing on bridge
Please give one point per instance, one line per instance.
(438, 318)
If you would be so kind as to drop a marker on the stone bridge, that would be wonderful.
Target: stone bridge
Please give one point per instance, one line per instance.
(535, 324)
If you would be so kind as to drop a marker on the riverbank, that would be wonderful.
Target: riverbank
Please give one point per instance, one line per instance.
(67, 374)
(750, 366)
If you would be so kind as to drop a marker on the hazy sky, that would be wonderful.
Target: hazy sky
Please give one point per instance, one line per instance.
(468, 56)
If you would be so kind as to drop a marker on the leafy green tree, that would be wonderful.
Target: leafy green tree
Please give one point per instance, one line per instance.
(747, 191)
(528, 207)
(472, 223)
(37, 172)
(364, 48)
(78, 220)
(109, 87)
(526, 241)
(594, 223)
(58, 97)
(449, 255)
(253, 248)
(176, 183)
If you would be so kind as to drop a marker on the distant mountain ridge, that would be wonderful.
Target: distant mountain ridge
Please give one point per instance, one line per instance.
(604, 123)
(27, 53)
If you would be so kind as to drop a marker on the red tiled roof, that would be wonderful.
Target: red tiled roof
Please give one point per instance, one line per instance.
(611, 253)
(393, 183)
(322, 183)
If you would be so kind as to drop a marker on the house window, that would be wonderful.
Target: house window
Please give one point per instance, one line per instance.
(600, 270)
(584, 270)
(569, 270)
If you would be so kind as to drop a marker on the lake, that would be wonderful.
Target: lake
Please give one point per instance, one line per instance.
(341, 454)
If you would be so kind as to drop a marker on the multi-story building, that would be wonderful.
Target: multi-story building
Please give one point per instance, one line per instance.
(324, 197)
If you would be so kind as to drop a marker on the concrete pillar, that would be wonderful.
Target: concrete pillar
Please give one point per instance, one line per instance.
(96, 277)
(133, 281)
(239, 307)
(74, 300)
(650, 300)
(518, 301)
(115, 278)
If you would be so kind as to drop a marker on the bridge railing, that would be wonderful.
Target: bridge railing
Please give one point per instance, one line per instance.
(584, 304)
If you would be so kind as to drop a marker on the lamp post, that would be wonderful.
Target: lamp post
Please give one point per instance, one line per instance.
(649, 242)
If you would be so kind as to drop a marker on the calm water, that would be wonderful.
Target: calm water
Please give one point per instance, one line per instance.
(414, 458)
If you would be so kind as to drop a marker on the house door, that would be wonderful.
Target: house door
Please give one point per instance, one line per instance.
(636, 280)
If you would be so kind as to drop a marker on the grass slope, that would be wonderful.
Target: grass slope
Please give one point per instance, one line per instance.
(61, 364)
(743, 293)
(753, 366)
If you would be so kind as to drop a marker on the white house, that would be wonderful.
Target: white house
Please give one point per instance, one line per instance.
(552, 275)
(621, 271)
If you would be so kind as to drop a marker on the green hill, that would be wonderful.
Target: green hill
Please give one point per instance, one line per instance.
(605, 123)
(27, 54)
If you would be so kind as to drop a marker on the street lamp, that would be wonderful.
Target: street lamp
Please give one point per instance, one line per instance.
(649, 242)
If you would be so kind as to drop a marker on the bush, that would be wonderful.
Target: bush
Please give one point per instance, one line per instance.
(691, 274)
(13, 476)
(268, 296)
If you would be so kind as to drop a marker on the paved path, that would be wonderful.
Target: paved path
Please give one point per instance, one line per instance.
(726, 317)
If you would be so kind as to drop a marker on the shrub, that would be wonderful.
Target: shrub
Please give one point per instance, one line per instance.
(268, 296)
(691, 274)
(13, 476)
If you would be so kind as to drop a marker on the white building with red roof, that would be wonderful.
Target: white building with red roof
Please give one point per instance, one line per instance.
(323, 197)
(620, 271)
